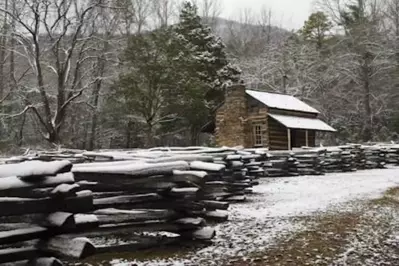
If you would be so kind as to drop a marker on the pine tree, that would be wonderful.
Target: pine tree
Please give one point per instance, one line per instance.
(316, 28)
(207, 52)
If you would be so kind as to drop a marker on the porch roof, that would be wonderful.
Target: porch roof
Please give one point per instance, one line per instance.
(296, 122)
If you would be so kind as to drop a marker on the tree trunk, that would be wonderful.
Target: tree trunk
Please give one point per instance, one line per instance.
(3, 44)
(96, 94)
(150, 138)
(194, 136)
(20, 136)
(129, 134)
(368, 126)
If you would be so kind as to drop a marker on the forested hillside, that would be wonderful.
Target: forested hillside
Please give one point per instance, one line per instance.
(94, 74)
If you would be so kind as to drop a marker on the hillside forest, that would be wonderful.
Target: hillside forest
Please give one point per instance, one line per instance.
(93, 74)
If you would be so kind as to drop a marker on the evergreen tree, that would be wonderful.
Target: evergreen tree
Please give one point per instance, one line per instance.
(316, 29)
(148, 87)
(205, 50)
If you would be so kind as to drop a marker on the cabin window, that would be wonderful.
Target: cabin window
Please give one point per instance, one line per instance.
(258, 138)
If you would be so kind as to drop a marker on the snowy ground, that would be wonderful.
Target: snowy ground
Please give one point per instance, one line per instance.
(278, 209)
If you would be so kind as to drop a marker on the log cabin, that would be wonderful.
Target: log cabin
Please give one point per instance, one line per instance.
(255, 119)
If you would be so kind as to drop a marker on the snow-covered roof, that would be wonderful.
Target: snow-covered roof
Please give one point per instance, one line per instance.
(281, 101)
(302, 123)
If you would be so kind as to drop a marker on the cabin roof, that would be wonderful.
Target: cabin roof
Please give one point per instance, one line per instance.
(281, 101)
(296, 122)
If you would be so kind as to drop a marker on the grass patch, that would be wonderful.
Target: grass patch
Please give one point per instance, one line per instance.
(327, 239)
(316, 246)
(390, 198)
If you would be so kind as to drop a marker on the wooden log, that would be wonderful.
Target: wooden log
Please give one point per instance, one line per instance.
(126, 200)
(76, 248)
(150, 226)
(19, 235)
(115, 216)
(61, 191)
(44, 262)
(65, 190)
(184, 192)
(203, 166)
(215, 205)
(186, 158)
(136, 170)
(17, 254)
(151, 184)
(206, 233)
(85, 221)
(64, 220)
(83, 202)
(190, 223)
(36, 262)
(33, 170)
(217, 216)
(15, 186)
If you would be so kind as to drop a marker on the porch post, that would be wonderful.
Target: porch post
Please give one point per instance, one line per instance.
(307, 138)
(289, 138)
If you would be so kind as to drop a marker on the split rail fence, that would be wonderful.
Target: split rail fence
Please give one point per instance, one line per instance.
(59, 205)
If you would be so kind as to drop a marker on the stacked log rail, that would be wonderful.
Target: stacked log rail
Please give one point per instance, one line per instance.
(231, 172)
(391, 152)
(310, 161)
(172, 189)
(367, 156)
(47, 212)
(39, 206)
(277, 163)
(240, 173)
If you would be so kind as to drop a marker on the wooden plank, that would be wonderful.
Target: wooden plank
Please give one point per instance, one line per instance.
(13, 185)
(109, 216)
(135, 170)
(215, 205)
(44, 262)
(289, 138)
(126, 200)
(21, 206)
(18, 235)
(60, 220)
(35, 169)
(18, 254)
(76, 248)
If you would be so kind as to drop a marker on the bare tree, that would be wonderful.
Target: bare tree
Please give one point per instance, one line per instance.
(105, 54)
(164, 12)
(53, 41)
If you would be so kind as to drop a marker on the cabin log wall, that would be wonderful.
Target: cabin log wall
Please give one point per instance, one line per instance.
(278, 138)
(257, 115)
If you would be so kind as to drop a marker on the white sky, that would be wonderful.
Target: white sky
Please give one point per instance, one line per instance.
(289, 14)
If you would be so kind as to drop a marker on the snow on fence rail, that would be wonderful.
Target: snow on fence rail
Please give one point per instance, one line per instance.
(51, 209)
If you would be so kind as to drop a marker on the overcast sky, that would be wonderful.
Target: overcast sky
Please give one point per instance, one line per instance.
(289, 14)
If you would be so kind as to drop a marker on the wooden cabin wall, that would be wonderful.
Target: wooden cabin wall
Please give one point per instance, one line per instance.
(278, 138)
(312, 138)
(257, 115)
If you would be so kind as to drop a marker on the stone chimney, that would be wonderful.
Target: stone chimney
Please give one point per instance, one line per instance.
(231, 118)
